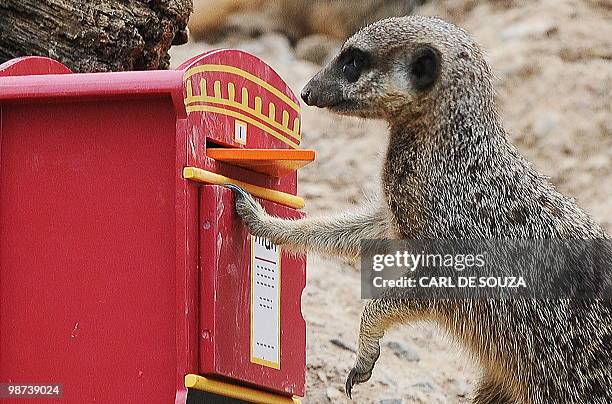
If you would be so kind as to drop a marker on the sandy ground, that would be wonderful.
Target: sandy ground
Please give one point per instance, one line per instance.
(552, 60)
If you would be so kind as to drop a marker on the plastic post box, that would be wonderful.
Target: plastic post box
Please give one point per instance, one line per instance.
(125, 273)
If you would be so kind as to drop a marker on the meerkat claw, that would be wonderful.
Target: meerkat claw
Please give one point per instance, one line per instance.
(249, 210)
(355, 377)
(237, 190)
(350, 383)
(245, 203)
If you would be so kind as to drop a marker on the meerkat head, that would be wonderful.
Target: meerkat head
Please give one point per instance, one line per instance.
(400, 67)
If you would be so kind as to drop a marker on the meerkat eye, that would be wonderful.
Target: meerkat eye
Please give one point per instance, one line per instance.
(353, 63)
(424, 68)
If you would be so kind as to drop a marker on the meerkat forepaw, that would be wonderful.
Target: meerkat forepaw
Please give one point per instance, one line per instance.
(247, 207)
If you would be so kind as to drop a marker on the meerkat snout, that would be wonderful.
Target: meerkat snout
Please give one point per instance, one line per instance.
(330, 87)
(305, 94)
(396, 68)
(366, 83)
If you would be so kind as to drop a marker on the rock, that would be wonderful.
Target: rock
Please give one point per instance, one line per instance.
(545, 125)
(387, 381)
(271, 46)
(333, 394)
(316, 48)
(424, 386)
(390, 401)
(463, 388)
(341, 344)
(403, 351)
(526, 29)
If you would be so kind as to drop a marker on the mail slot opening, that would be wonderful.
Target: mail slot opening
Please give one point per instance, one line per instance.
(216, 144)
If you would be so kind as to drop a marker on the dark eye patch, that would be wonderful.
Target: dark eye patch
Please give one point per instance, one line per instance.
(424, 68)
(353, 62)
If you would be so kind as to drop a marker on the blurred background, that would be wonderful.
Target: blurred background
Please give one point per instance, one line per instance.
(553, 66)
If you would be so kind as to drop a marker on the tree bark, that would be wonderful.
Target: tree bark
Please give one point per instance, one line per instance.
(94, 35)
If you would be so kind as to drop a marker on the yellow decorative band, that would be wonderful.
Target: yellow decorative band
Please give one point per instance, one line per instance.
(245, 118)
(242, 73)
(197, 174)
(237, 392)
(244, 106)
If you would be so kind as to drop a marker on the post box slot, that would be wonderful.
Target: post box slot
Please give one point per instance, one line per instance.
(215, 144)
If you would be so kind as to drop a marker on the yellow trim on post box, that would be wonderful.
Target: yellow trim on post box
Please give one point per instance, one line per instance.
(238, 392)
(197, 174)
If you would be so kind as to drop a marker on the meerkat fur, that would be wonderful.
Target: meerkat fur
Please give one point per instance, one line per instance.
(450, 172)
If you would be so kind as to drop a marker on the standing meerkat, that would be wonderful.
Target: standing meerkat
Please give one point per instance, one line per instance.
(451, 173)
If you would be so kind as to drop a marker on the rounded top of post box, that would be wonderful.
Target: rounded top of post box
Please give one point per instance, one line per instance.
(246, 102)
(236, 92)
(32, 65)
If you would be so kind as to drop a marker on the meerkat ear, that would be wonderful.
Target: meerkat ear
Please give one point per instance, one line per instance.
(424, 68)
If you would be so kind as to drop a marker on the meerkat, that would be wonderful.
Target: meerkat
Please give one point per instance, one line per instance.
(450, 172)
(294, 18)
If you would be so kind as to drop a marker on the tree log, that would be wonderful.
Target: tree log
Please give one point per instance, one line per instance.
(94, 35)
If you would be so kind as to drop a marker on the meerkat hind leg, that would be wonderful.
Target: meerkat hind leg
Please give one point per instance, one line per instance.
(377, 317)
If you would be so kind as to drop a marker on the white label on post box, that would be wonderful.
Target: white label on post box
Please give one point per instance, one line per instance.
(265, 302)
(240, 132)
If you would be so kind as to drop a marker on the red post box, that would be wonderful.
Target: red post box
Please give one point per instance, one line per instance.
(125, 274)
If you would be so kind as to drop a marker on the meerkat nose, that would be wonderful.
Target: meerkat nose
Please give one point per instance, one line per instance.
(305, 95)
